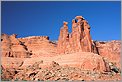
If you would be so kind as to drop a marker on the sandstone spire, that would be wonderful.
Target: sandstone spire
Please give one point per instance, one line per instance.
(78, 40)
(63, 38)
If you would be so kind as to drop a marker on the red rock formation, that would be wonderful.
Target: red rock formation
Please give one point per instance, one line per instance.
(39, 45)
(12, 47)
(6, 45)
(110, 50)
(78, 40)
(63, 38)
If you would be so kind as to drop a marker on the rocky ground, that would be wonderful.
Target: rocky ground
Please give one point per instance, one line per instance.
(80, 66)
(56, 72)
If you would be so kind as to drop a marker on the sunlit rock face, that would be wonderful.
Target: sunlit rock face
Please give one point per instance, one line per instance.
(39, 45)
(110, 50)
(12, 47)
(78, 40)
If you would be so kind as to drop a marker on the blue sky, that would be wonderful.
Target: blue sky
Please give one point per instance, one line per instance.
(46, 18)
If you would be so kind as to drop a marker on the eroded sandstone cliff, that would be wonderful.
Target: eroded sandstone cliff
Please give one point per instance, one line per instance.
(12, 47)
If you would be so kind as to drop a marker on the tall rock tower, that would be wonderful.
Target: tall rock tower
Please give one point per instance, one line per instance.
(78, 40)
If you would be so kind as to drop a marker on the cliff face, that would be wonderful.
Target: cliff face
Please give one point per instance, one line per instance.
(39, 45)
(12, 47)
(110, 50)
(26, 47)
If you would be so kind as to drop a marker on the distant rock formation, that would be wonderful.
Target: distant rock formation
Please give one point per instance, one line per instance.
(78, 40)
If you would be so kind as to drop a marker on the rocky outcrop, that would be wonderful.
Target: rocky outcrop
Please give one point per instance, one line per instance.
(26, 47)
(39, 45)
(12, 62)
(78, 40)
(12, 47)
(110, 50)
(82, 60)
